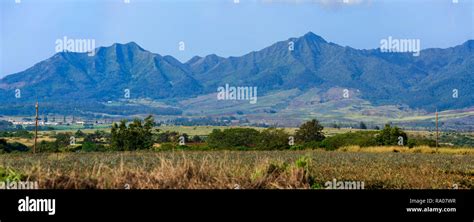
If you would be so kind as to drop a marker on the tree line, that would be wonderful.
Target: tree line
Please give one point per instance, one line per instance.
(142, 135)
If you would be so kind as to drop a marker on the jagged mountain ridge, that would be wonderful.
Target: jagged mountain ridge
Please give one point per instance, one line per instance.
(425, 82)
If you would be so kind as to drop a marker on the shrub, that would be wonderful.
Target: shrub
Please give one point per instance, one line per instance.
(23, 134)
(47, 146)
(95, 142)
(390, 136)
(165, 137)
(18, 133)
(297, 147)
(92, 147)
(361, 138)
(88, 146)
(196, 139)
(12, 147)
(63, 140)
(18, 147)
(412, 142)
(233, 138)
(79, 134)
(312, 145)
(273, 139)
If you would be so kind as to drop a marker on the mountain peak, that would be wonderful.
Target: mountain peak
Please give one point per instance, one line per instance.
(313, 37)
(212, 58)
(194, 59)
(130, 45)
(469, 43)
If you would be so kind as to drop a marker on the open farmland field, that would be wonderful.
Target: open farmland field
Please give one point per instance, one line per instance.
(242, 169)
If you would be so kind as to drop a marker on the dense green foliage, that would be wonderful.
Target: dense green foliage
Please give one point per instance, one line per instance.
(417, 141)
(360, 138)
(48, 146)
(233, 138)
(136, 136)
(17, 133)
(79, 134)
(11, 147)
(8, 174)
(165, 137)
(64, 139)
(273, 139)
(457, 139)
(391, 136)
(309, 132)
(95, 142)
(141, 135)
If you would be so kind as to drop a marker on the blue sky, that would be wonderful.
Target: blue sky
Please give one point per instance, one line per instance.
(29, 29)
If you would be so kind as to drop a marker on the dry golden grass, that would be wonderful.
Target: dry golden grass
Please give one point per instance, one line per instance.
(27, 142)
(242, 169)
(403, 149)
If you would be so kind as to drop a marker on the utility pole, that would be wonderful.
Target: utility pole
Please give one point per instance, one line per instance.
(437, 131)
(36, 127)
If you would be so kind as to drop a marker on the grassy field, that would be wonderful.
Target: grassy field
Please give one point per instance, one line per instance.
(206, 130)
(388, 167)
(243, 169)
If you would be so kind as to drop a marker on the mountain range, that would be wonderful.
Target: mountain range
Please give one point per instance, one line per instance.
(163, 85)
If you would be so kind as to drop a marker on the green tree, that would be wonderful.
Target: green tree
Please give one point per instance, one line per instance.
(95, 141)
(358, 138)
(79, 134)
(390, 136)
(273, 139)
(196, 139)
(233, 138)
(46, 146)
(136, 136)
(309, 132)
(24, 134)
(362, 125)
(11, 147)
(63, 139)
(90, 147)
